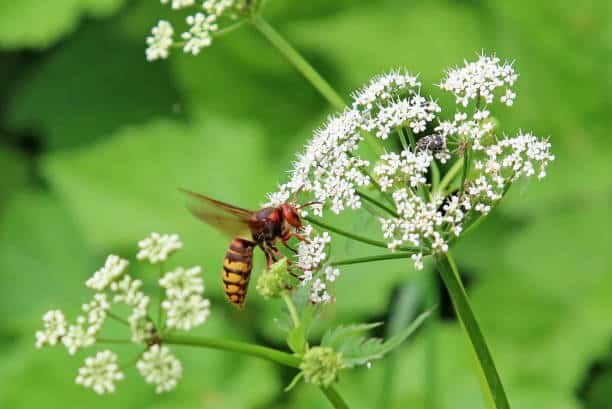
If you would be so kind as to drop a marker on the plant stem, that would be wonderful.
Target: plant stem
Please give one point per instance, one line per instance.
(112, 341)
(369, 259)
(334, 397)
(117, 318)
(431, 348)
(377, 203)
(466, 169)
(299, 62)
(161, 297)
(269, 354)
(354, 236)
(493, 390)
(410, 138)
(292, 310)
(304, 67)
(450, 175)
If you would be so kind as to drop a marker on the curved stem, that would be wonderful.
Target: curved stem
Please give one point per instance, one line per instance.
(377, 203)
(493, 390)
(299, 62)
(370, 259)
(292, 310)
(354, 236)
(269, 354)
(431, 344)
(450, 175)
(334, 397)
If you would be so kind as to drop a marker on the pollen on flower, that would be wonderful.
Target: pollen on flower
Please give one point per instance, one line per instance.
(160, 41)
(55, 328)
(157, 247)
(113, 268)
(100, 372)
(160, 368)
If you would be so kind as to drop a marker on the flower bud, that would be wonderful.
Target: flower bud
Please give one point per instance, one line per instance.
(320, 366)
(273, 281)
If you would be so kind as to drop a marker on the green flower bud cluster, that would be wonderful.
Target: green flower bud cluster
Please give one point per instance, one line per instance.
(320, 366)
(273, 281)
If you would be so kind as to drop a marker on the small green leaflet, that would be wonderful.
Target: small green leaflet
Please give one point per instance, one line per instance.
(356, 349)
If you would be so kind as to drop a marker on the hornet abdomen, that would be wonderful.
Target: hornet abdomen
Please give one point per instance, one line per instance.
(237, 266)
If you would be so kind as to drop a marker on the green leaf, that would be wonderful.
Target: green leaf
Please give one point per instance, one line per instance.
(296, 339)
(356, 349)
(38, 24)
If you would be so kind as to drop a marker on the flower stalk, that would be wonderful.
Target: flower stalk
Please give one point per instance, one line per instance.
(258, 351)
(493, 390)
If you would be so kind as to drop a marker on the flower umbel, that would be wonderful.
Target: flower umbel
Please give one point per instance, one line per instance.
(160, 368)
(157, 247)
(182, 302)
(100, 372)
(424, 217)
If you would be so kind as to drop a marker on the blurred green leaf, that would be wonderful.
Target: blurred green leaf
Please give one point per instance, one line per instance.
(116, 87)
(35, 24)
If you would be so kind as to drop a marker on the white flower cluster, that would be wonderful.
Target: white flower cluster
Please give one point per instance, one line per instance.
(479, 79)
(157, 247)
(160, 368)
(160, 41)
(100, 372)
(113, 268)
(202, 26)
(331, 170)
(184, 306)
(329, 167)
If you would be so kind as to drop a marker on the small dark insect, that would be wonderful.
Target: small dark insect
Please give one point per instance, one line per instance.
(266, 226)
(432, 143)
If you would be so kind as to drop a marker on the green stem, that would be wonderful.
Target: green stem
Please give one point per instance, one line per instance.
(292, 310)
(299, 62)
(161, 297)
(493, 390)
(370, 259)
(112, 341)
(466, 169)
(117, 318)
(431, 344)
(353, 236)
(269, 354)
(304, 67)
(410, 138)
(334, 397)
(377, 203)
(450, 175)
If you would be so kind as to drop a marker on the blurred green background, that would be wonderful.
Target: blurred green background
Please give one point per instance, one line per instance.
(94, 142)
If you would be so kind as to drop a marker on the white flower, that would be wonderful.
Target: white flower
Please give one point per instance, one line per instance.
(384, 87)
(113, 268)
(160, 368)
(55, 328)
(160, 41)
(217, 7)
(319, 293)
(185, 313)
(405, 168)
(417, 258)
(78, 336)
(200, 34)
(480, 79)
(329, 168)
(157, 247)
(179, 4)
(96, 310)
(182, 282)
(128, 291)
(331, 273)
(311, 253)
(100, 372)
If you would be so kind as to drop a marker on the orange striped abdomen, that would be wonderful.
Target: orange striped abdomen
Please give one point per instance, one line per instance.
(237, 266)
